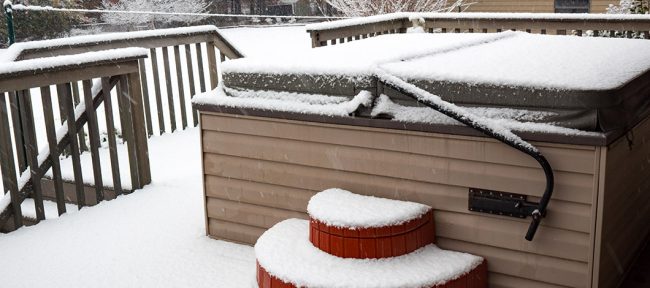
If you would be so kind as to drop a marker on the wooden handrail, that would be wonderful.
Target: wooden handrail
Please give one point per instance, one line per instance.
(143, 39)
(323, 34)
(18, 78)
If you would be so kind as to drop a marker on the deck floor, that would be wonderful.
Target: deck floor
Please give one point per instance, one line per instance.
(639, 276)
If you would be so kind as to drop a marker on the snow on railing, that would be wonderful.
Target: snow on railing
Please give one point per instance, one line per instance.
(341, 31)
(99, 72)
(182, 63)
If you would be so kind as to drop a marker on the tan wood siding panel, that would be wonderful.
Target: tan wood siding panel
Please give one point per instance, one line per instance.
(546, 6)
(262, 194)
(626, 204)
(431, 144)
(453, 198)
(259, 172)
(249, 214)
(466, 227)
(600, 6)
(510, 262)
(498, 280)
(569, 186)
(507, 234)
(296, 199)
(234, 232)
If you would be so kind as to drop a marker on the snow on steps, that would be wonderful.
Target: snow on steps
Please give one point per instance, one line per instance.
(286, 258)
(290, 255)
(366, 226)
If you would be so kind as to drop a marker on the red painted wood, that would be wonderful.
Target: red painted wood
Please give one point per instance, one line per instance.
(389, 241)
(477, 278)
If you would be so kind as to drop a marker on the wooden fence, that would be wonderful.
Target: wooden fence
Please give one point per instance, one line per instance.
(556, 24)
(152, 95)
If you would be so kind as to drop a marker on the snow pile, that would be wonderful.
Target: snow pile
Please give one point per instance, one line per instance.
(533, 60)
(286, 253)
(284, 101)
(340, 208)
(514, 119)
(358, 58)
(70, 60)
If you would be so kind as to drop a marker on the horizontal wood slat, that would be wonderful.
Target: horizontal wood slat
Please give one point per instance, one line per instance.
(543, 269)
(569, 186)
(460, 147)
(261, 171)
(317, 179)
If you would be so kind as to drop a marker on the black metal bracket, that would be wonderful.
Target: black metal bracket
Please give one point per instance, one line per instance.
(500, 203)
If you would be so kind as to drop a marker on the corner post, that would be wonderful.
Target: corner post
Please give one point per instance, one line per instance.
(8, 9)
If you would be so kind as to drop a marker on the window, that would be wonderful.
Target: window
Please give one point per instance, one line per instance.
(572, 6)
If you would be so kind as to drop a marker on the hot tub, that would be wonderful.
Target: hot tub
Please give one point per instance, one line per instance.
(279, 130)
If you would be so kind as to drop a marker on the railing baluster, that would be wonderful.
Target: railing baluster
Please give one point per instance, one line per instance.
(145, 96)
(93, 134)
(137, 148)
(68, 101)
(156, 85)
(31, 148)
(212, 64)
(46, 99)
(181, 86)
(62, 112)
(110, 131)
(14, 104)
(190, 75)
(200, 64)
(121, 113)
(77, 99)
(7, 164)
(170, 92)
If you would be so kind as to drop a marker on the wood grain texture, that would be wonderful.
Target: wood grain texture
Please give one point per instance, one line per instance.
(625, 201)
(261, 171)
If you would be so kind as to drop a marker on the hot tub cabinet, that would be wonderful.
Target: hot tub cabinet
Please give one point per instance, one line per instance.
(262, 170)
(262, 163)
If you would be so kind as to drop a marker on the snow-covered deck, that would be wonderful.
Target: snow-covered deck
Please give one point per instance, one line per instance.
(154, 237)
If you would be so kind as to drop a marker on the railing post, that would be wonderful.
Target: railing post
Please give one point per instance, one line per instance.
(10, 22)
(138, 148)
(212, 64)
(7, 164)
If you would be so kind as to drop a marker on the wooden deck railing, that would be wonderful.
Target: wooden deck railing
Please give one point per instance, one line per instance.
(347, 30)
(52, 76)
(149, 92)
(194, 51)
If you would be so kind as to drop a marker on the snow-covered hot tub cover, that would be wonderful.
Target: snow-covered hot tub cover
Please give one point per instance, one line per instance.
(535, 83)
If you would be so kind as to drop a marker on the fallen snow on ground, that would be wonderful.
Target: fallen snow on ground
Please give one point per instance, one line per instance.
(268, 42)
(154, 237)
